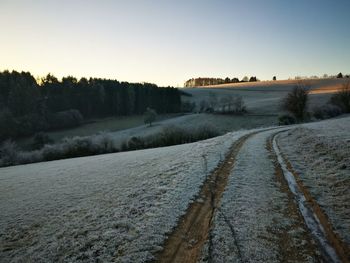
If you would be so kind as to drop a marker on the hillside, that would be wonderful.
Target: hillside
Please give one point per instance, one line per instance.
(120, 207)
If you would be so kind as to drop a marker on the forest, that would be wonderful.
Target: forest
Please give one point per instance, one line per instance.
(198, 82)
(28, 105)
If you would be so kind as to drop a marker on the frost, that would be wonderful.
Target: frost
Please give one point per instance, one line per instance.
(320, 153)
(113, 207)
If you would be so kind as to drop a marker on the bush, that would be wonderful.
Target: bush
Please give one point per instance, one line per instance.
(170, 135)
(286, 120)
(187, 106)
(342, 98)
(67, 148)
(150, 116)
(296, 102)
(238, 105)
(8, 125)
(40, 139)
(65, 119)
(136, 143)
(326, 111)
(8, 153)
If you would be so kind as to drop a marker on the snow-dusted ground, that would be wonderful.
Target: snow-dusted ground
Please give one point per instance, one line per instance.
(320, 153)
(264, 97)
(222, 123)
(113, 207)
(256, 221)
(119, 207)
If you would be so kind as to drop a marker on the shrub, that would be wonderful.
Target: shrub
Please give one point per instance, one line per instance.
(150, 116)
(136, 143)
(184, 93)
(286, 120)
(98, 144)
(238, 105)
(8, 153)
(296, 102)
(326, 111)
(65, 119)
(342, 98)
(40, 139)
(170, 135)
(203, 106)
(104, 142)
(187, 106)
(78, 147)
(8, 125)
(233, 105)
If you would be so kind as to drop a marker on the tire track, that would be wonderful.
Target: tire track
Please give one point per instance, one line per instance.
(185, 243)
(334, 249)
(288, 250)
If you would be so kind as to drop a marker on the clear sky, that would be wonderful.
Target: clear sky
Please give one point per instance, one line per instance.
(167, 42)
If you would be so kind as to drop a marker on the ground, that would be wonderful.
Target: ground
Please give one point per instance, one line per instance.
(261, 98)
(123, 207)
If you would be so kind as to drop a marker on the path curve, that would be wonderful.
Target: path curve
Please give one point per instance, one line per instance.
(200, 234)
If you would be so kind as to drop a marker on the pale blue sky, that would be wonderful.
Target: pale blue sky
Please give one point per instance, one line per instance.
(167, 42)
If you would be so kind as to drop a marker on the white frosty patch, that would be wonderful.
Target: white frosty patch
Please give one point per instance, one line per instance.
(310, 218)
(253, 210)
(112, 207)
(320, 154)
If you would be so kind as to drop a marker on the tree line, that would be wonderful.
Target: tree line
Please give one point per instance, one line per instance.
(197, 82)
(28, 106)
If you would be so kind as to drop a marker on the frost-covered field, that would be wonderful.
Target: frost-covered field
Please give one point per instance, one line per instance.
(262, 100)
(113, 207)
(264, 97)
(320, 153)
(256, 221)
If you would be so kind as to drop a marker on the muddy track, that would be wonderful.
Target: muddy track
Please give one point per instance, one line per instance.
(341, 249)
(185, 243)
(287, 249)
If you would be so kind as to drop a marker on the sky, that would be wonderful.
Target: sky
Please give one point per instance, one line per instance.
(167, 42)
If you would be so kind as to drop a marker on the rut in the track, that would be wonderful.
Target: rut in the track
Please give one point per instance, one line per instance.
(185, 243)
(332, 240)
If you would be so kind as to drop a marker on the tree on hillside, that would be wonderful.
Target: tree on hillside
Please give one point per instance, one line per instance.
(245, 79)
(296, 101)
(213, 101)
(235, 80)
(252, 79)
(342, 98)
(274, 78)
(340, 75)
(224, 101)
(203, 106)
(150, 116)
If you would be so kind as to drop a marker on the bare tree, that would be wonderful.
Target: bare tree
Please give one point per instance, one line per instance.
(203, 106)
(296, 101)
(213, 100)
(150, 116)
(342, 98)
(225, 102)
(238, 104)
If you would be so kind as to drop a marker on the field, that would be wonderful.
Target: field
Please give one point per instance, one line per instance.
(264, 193)
(122, 207)
(95, 126)
(261, 98)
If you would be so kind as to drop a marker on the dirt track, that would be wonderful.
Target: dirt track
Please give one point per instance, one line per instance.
(187, 240)
(191, 238)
